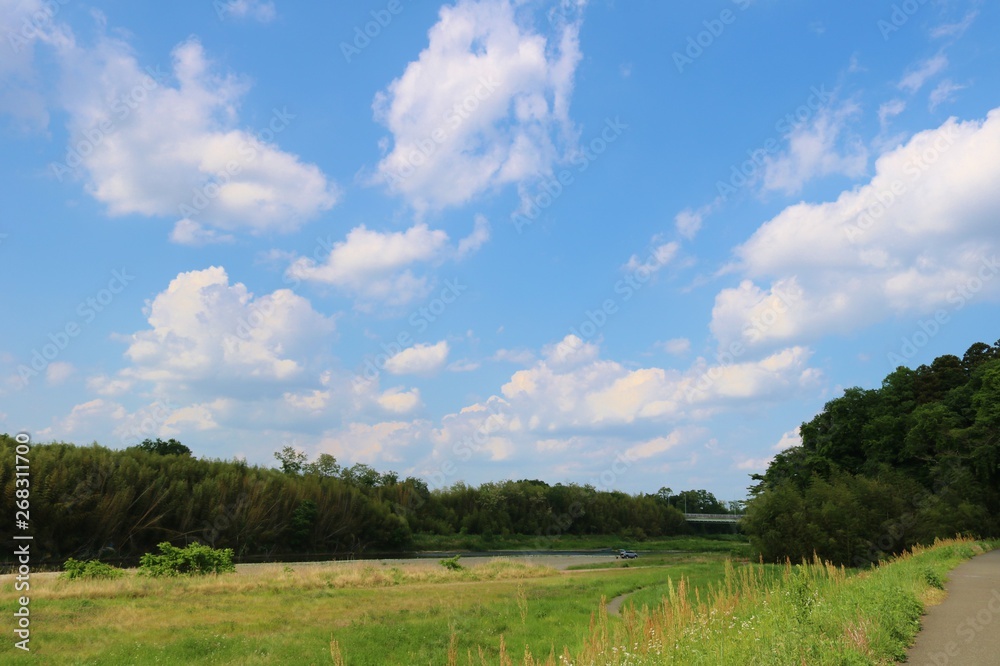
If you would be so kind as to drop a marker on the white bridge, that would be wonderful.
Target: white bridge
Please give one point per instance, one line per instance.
(713, 517)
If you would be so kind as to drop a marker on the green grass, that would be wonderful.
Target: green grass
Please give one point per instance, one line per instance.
(805, 614)
(683, 609)
(377, 614)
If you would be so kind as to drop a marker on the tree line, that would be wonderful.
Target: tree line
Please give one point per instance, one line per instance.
(97, 502)
(880, 470)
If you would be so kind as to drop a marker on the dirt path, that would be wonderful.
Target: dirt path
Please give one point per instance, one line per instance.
(615, 605)
(965, 628)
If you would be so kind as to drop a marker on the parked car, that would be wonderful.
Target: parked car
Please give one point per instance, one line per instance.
(627, 554)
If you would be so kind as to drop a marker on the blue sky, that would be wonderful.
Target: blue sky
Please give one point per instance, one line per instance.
(627, 244)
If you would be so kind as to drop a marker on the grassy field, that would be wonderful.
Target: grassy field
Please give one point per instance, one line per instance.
(687, 608)
(378, 614)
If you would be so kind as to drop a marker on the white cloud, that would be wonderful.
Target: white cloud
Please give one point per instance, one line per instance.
(480, 236)
(399, 401)
(955, 29)
(381, 442)
(676, 346)
(890, 110)
(88, 418)
(789, 440)
(377, 266)
(109, 386)
(658, 258)
(189, 232)
(257, 10)
(915, 79)
(944, 92)
(155, 149)
(817, 148)
(484, 105)
(653, 447)
(570, 352)
(205, 331)
(25, 24)
(909, 241)
(420, 359)
(58, 372)
(688, 223)
(515, 356)
(753, 464)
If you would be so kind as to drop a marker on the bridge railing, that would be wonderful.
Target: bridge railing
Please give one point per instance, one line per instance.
(713, 517)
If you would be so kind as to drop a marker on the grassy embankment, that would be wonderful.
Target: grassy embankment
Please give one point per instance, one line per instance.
(811, 614)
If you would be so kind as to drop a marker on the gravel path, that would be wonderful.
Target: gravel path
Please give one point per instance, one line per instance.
(965, 628)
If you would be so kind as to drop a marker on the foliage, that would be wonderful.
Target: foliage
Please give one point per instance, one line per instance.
(99, 502)
(195, 559)
(883, 469)
(451, 563)
(171, 447)
(75, 569)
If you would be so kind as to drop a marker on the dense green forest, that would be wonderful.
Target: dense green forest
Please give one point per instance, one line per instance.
(91, 501)
(883, 469)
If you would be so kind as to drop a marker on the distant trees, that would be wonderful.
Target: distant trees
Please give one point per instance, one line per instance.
(90, 502)
(880, 470)
(171, 447)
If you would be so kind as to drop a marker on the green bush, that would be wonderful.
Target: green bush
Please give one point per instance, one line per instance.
(195, 559)
(74, 569)
(452, 563)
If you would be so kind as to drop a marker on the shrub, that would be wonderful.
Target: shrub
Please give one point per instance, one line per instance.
(452, 563)
(74, 569)
(195, 559)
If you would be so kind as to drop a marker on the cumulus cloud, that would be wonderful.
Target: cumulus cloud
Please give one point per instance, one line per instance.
(399, 401)
(206, 331)
(164, 145)
(420, 359)
(484, 105)
(918, 236)
(378, 266)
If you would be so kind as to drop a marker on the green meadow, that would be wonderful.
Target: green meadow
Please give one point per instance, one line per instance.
(681, 608)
